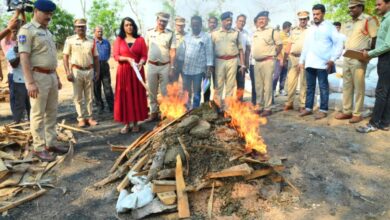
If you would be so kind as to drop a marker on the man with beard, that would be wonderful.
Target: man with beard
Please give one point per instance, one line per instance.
(161, 43)
(227, 49)
(38, 56)
(380, 118)
(321, 49)
(360, 34)
(81, 61)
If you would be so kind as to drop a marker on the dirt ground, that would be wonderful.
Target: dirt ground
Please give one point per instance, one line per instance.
(341, 174)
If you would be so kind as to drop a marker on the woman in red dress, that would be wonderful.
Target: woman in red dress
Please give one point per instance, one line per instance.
(130, 105)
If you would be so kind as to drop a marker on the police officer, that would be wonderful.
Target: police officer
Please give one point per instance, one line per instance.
(38, 57)
(161, 45)
(266, 45)
(81, 60)
(227, 47)
(180, 24)
(360, 31)
(294, 76)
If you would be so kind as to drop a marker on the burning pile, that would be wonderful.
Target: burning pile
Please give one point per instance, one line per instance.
(196, 151)
(173, 106)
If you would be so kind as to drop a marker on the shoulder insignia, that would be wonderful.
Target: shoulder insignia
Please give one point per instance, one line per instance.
(22, 38)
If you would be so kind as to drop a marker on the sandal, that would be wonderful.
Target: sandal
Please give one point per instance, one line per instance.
(125, 129)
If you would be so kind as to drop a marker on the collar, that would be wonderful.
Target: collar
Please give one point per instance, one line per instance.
(228, 31)
(99, 41)
(36, 23)
(78, 38)
(199, 35)
(265, 28)
(156, 30)
(386, 15)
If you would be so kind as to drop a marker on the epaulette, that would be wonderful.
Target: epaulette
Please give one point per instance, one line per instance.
(26, 26)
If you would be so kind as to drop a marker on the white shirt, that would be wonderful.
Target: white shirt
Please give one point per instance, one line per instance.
(322, 44)
(17, 72)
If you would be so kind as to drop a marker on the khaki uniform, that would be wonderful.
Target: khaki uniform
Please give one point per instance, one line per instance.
(159, 45)
(227, 46)
(296, 39)
(359, 33)
(264, 45)
(179, 56)
(81, 53)
(39, 43)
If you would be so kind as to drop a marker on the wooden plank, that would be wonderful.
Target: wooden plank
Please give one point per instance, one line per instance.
(183, 206)
(259, 173)
(166, 174)
(162, 188)
(3, 169)
(23, 200)
(186, 154)
(203, 185)
(9, 192)
(210, 203)
(167, 198)
(11, 179)
(124, 153)
(74, 129)
(239, 170)
(137, 167)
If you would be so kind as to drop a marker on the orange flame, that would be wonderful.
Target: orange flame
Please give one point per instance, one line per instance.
(247, 123)
(173, 106)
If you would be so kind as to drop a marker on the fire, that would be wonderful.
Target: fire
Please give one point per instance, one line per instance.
(173, 106)
(247, 123)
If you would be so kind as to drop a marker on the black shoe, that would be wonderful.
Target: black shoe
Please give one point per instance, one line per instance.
(366, 129)
(384, 127)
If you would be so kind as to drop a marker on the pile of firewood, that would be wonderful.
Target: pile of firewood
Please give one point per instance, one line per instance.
(4, 94)
(22, 177)
(196, 151)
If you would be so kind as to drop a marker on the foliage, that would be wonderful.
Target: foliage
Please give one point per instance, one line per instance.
(104, 13)
(61, 26)
(337, 10)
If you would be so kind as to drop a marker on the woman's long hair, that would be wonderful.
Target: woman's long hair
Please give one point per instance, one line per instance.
(122, 33)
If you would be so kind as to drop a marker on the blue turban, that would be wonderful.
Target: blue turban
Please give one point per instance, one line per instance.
(226, 15)
(45, 5)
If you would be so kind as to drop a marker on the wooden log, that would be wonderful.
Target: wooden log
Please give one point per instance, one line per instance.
(158, 162)
(18, 125)
(74, 129)
(183, 206)
(239, 170)
(166, 174)
(3, 169)
(137, 167)
(203, 185)
(167, 198)
(23, 200)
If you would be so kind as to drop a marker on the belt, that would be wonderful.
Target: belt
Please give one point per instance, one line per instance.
(82, 68)
(227, 57)
(157, 63)
(43, 70)
(265, 59)
(295, 54)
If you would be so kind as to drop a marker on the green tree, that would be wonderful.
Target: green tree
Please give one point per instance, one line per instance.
(337, 10)
(61, 26)
(106, 14)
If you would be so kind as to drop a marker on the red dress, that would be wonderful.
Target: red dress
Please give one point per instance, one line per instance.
(130, 103)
